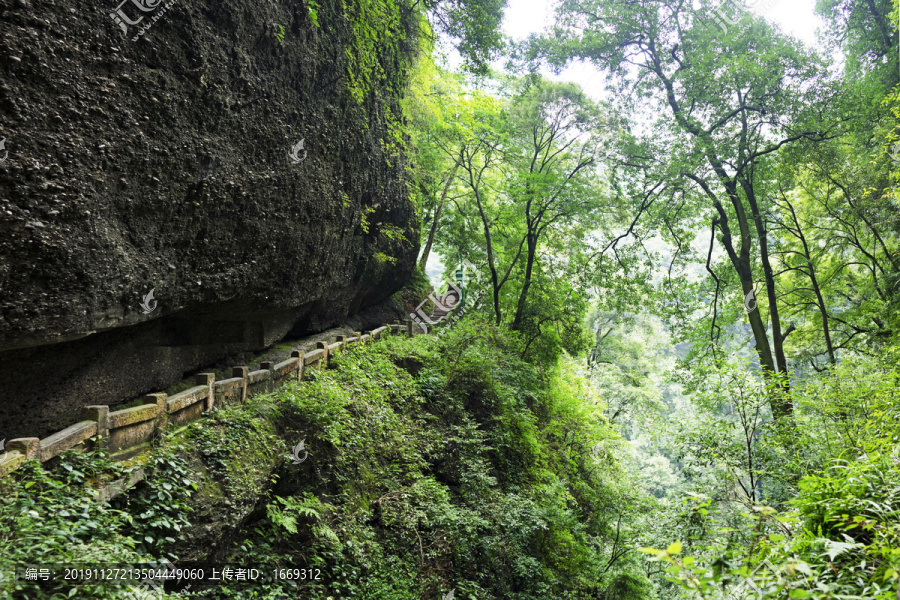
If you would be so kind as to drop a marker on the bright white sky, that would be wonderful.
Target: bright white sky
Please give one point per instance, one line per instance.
(523, 17)
(796, 17)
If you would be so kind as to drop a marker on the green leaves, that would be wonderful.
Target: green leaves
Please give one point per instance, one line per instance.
(527, 193)
(833, 549)
(313, 11)
(473, 469)
(51, 518)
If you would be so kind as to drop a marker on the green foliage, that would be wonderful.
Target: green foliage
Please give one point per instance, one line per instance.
(800, 257)
(848, 544)
(866, 33)
(381, 257)
(522, 173)
(284, 513)
(279, 32)
(832, 478)
(720, 161)
(626, 587)
(385, 35)
(450, 464)
(364, 219)
(160, 509)
(627, 370)
(474, 26)
(51, 518)
(313, 11)
(227, 433)
(373, 50)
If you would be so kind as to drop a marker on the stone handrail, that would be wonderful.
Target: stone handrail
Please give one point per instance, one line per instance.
(124, 433)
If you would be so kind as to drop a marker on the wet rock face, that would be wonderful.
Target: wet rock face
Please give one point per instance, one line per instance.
(170, 164)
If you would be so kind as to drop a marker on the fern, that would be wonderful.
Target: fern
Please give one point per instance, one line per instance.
(308, 507)
(324, 532)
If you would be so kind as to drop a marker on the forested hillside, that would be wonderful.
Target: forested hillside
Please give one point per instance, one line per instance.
(650, 349)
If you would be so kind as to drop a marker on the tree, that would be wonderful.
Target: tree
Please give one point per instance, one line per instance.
(440, 116)
(529, 165)
(732, 102)
(556, 134)
(473, 25)
(866, 34)
(478, 147)
(835, 259)
(436, 215)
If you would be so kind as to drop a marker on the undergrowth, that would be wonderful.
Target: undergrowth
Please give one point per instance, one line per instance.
(431, 464)
(443, 463)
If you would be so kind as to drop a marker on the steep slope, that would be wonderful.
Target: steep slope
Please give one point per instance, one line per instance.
(162, 162)
(429, 464)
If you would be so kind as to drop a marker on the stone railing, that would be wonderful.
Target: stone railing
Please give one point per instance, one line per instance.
(124, 433)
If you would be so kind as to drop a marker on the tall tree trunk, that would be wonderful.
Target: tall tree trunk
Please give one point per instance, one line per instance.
(474, 183)
(523, 295)
(784, 403)
(490, 257)
(740, 259)
(820, 300)
(437, 216)
(781, 406)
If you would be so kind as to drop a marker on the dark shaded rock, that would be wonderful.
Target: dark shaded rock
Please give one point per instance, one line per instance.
(163, 164)
(410, 364)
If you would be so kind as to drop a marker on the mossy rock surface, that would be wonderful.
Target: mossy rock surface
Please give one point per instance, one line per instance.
(233, 460)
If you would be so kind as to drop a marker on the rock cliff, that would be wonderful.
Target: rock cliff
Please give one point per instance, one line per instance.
(156, 147)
